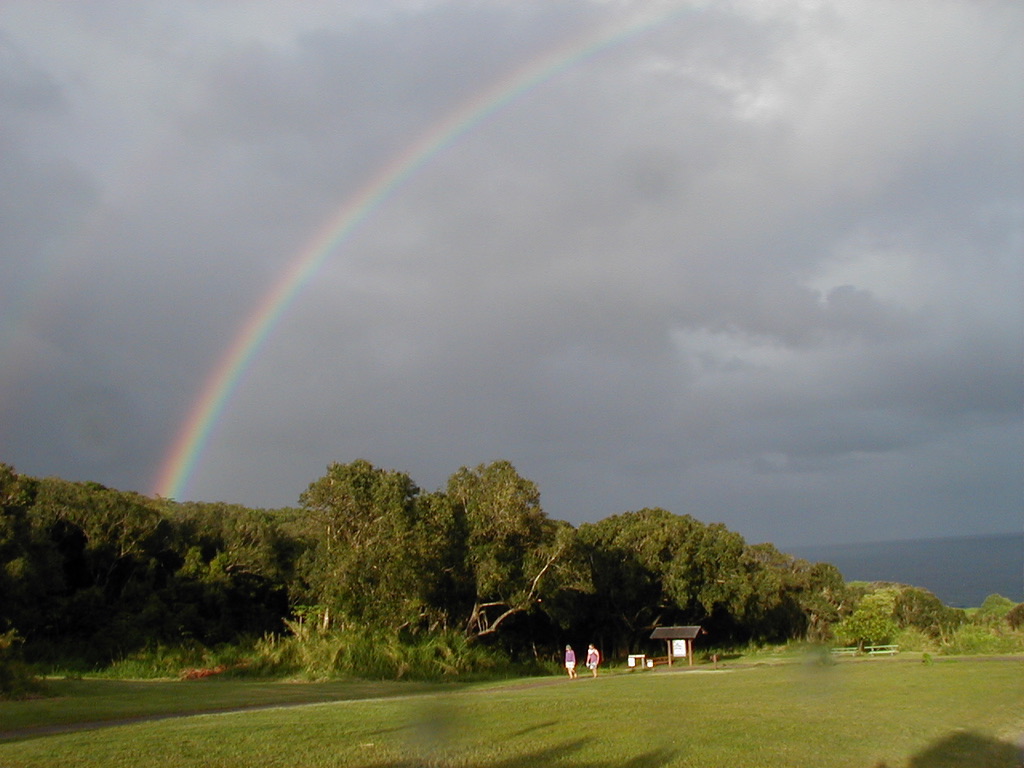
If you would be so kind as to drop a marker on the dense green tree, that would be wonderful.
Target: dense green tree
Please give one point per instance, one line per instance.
(623, 552)
(231, 539)
(115, 557)
(790, 597)
(629, 555)
(364, 564)
(439, 547)
(772, 610)
(115, 530)
(994, 609)
(872, 620)
(823, 597)
(919, 608)
(707, 581)
(653, 567)
(235, 567)
(516, 556)
(105, 572)
(19, 570)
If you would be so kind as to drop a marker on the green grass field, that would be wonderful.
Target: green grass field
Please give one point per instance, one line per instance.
(863, 713)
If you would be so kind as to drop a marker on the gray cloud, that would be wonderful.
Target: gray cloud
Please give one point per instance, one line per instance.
(757, 262)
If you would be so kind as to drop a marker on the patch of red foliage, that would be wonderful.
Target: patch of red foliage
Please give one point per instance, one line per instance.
(199, 674)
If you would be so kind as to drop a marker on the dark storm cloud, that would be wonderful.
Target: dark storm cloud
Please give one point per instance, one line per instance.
(758, 262)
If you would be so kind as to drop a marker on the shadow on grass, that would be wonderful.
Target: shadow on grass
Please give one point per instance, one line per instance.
(967, 749)
(561, 752)
(538, 727)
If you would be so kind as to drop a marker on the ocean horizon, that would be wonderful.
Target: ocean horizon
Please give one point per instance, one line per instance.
(961, 571)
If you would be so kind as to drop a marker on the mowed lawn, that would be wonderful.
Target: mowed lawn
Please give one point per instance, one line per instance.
(858, 713)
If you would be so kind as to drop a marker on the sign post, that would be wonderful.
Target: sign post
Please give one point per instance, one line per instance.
(679, 640)
(679, 647)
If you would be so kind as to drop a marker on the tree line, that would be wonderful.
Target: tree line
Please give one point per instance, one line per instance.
(95, 573)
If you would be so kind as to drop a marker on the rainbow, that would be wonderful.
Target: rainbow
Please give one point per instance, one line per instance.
(185, 451)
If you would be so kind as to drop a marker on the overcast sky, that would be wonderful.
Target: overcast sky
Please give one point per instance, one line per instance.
(756, 261)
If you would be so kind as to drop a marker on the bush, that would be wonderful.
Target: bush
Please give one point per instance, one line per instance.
(16, 682)
(921, 609)
(181, 661)
(1016, 616)
(375, 654)
(915, 639)
(871, 622)
(994, 610)
(319, 655)
(979, 639)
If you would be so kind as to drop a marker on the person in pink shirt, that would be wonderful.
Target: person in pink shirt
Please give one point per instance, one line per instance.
(570, 661)
(593, 659)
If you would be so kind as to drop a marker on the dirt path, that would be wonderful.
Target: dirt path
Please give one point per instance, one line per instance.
(52, 730)
(38, 731)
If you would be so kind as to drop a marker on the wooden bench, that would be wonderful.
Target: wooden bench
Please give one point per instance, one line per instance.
(847, 651)
(882, 650)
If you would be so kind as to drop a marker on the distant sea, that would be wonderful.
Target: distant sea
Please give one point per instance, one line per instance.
(961, 572)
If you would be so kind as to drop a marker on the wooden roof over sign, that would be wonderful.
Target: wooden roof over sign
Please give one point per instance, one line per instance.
(675, 633)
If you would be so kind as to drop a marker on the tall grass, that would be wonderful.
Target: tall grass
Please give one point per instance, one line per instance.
(973, 639)
(16, 681)
(311, 654)
(374, 654)
(174, 661)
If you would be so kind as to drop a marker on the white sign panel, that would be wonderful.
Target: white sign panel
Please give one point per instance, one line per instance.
(678, 648)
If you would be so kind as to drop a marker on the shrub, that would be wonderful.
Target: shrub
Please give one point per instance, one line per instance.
(1015, 617)
(16, 682)
(919, 608)
(978, 639)
(915, 639)
(375, 654)
(189, 661)
(871, 621)
(994, 610)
